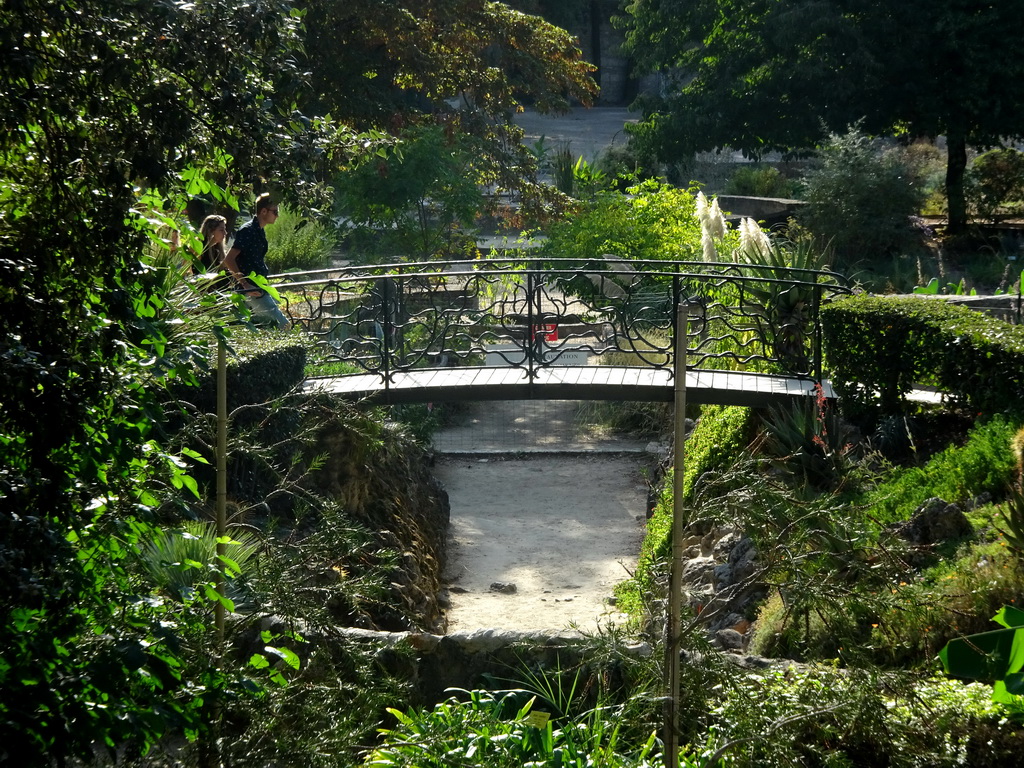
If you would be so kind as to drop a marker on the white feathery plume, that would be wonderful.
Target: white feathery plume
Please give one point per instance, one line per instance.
(716, 221)
(707, 244)
(702, 209)
(753, 240)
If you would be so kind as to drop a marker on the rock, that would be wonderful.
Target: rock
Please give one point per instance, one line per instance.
(935, 521)
(700, 570)
(504, 587)
(730, 539)
(661, 450)
(742, 626)
(707, 544)
(723, 576)
(729, 640)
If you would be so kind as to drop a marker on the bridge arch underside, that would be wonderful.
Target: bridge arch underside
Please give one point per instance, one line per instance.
(606, 383)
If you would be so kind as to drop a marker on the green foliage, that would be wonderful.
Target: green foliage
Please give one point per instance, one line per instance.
(882, 347)
(179, 560)
(655, 221)
(756, 180)
(328, 710)
(102, 104)
(624, 164)
(573, 176)
(985, 464)
(995, 184)
(824, 716)
(996, 657)
(419, 203)
(262, 366)
(503, 729)
(809, 441)
(298, 243)
(1012, 517)
(784, 306)
(859, 198)
(953, 597)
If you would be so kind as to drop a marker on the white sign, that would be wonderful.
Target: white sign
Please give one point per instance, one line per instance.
(513, 355)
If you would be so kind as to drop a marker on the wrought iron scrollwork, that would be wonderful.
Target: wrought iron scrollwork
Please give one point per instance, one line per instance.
(533, 314)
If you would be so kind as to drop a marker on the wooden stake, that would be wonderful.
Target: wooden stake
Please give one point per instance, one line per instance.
(672, 639)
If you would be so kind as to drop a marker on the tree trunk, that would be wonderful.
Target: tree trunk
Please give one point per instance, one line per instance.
(956, 165)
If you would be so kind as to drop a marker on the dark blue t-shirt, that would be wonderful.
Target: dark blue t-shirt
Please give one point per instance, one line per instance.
(251, 242)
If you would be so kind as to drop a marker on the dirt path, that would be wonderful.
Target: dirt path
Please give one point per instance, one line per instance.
(563, 529)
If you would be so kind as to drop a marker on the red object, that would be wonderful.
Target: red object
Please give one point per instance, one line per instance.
(547, 332)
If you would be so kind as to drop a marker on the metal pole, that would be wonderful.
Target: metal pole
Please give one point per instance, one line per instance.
(672, 638)
(222, 486)
(209, 748)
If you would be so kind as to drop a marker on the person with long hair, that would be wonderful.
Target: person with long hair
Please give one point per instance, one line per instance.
(214, 229)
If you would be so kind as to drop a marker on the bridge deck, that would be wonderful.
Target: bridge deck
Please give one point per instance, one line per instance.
(591, 382)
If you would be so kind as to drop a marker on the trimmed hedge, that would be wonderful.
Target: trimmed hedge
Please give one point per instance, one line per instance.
(262, 366)
(879, 347)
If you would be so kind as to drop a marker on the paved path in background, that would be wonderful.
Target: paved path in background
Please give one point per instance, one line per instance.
(528, 427)
(586, 131)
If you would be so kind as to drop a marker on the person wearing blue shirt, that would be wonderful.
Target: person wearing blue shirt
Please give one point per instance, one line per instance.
(247, 257)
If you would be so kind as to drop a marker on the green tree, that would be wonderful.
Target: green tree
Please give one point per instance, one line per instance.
(466, 65)
(762, 76)
(100, 101)
(418, 203)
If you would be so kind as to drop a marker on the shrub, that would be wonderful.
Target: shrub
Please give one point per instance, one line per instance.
(499, 729)
(760, 181)
(831, 717)
(625, 163)
(996, 184)
(859, 198)
(985, 464)
(656, 221)
(298, 243)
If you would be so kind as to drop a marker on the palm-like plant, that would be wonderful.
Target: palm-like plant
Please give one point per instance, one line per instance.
(783, 305)
(178, 560)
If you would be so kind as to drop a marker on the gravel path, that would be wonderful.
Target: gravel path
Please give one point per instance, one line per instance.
(539, 540)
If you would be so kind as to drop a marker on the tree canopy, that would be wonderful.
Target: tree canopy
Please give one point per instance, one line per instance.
(761, 76)
(112, 113)
(467, 65)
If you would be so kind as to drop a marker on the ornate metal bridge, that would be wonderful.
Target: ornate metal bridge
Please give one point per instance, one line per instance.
(497, 329)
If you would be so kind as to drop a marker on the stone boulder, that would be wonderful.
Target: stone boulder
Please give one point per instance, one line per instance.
(934, 522)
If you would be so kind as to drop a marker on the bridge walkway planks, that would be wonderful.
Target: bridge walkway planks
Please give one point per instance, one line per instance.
(591, 382)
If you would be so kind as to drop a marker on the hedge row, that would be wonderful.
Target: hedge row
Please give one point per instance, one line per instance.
(878, 348)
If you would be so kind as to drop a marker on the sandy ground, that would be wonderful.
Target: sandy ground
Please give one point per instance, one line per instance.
(563, 529)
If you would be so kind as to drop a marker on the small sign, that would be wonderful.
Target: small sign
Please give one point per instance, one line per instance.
(546, 332)
(567, 357)
(537, 719)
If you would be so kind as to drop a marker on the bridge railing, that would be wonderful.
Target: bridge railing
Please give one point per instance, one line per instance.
(531, 314)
